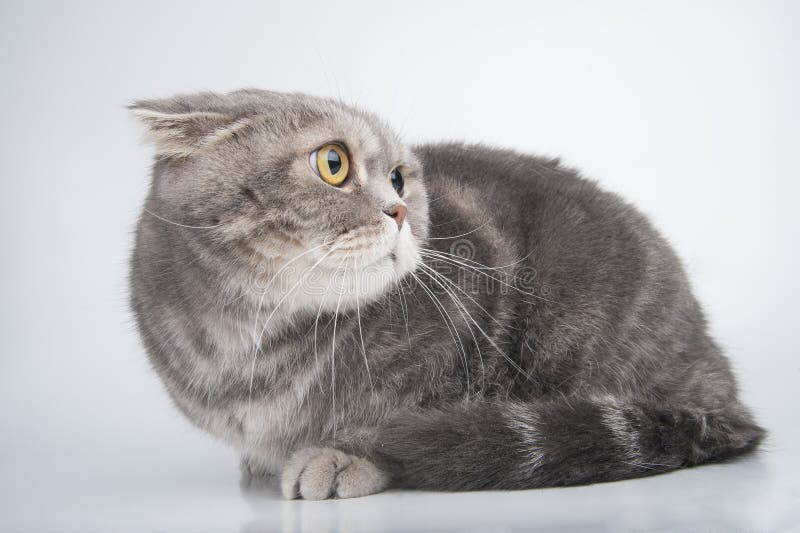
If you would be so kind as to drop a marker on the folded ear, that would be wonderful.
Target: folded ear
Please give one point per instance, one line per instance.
(181, 132)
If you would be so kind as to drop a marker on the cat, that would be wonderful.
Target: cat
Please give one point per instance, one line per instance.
(353, 314)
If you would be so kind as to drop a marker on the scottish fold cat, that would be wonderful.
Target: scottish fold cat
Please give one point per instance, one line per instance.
(353, 314)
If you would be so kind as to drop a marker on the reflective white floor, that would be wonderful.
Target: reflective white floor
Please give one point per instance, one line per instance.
(750, 496)
(193, 485)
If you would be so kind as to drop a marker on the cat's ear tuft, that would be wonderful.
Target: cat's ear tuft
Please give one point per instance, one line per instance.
(183, 132)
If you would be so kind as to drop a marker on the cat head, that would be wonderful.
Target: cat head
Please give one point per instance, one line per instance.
(290, 197)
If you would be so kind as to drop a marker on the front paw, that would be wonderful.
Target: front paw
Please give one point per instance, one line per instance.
(320, 473)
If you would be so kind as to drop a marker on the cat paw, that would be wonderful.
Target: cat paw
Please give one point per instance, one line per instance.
(321, 473)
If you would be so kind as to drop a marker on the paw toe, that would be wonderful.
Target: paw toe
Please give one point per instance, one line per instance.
(318, 478)
(290, 478)
(360, 478)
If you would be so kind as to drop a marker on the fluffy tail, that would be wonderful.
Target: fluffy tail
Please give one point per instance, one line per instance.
(513, 445)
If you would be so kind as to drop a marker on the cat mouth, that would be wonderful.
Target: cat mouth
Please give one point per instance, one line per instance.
(366, 246)
(366, 255)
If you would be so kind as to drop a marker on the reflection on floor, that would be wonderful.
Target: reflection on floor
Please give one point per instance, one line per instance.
(754, 494)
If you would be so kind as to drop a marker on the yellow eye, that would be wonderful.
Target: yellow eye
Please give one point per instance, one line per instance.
(330, 163)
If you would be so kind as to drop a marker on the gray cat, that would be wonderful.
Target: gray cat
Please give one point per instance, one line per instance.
(353, 314)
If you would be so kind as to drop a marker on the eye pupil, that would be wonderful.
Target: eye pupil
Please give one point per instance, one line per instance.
(334, 161)
(397, 181)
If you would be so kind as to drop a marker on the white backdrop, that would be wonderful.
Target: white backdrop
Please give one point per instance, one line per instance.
(689, 109)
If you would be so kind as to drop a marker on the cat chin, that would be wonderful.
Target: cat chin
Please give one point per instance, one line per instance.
(349, 287)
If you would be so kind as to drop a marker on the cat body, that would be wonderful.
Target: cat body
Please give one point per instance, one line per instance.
(496, 321)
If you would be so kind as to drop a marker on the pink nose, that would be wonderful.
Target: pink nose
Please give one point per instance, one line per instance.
(398, 212)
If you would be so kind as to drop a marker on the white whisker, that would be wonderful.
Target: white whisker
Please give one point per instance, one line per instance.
(266, 323)
(177, 223)
(462, 235)
(461, 308)
(404, 308)
(448, 321)
(473, 300)
(333, 352)
(360, 332)
(480, 266)
(488, 338)
(454, 262)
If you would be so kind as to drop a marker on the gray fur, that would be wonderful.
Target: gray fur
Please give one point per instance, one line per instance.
(565, 348)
